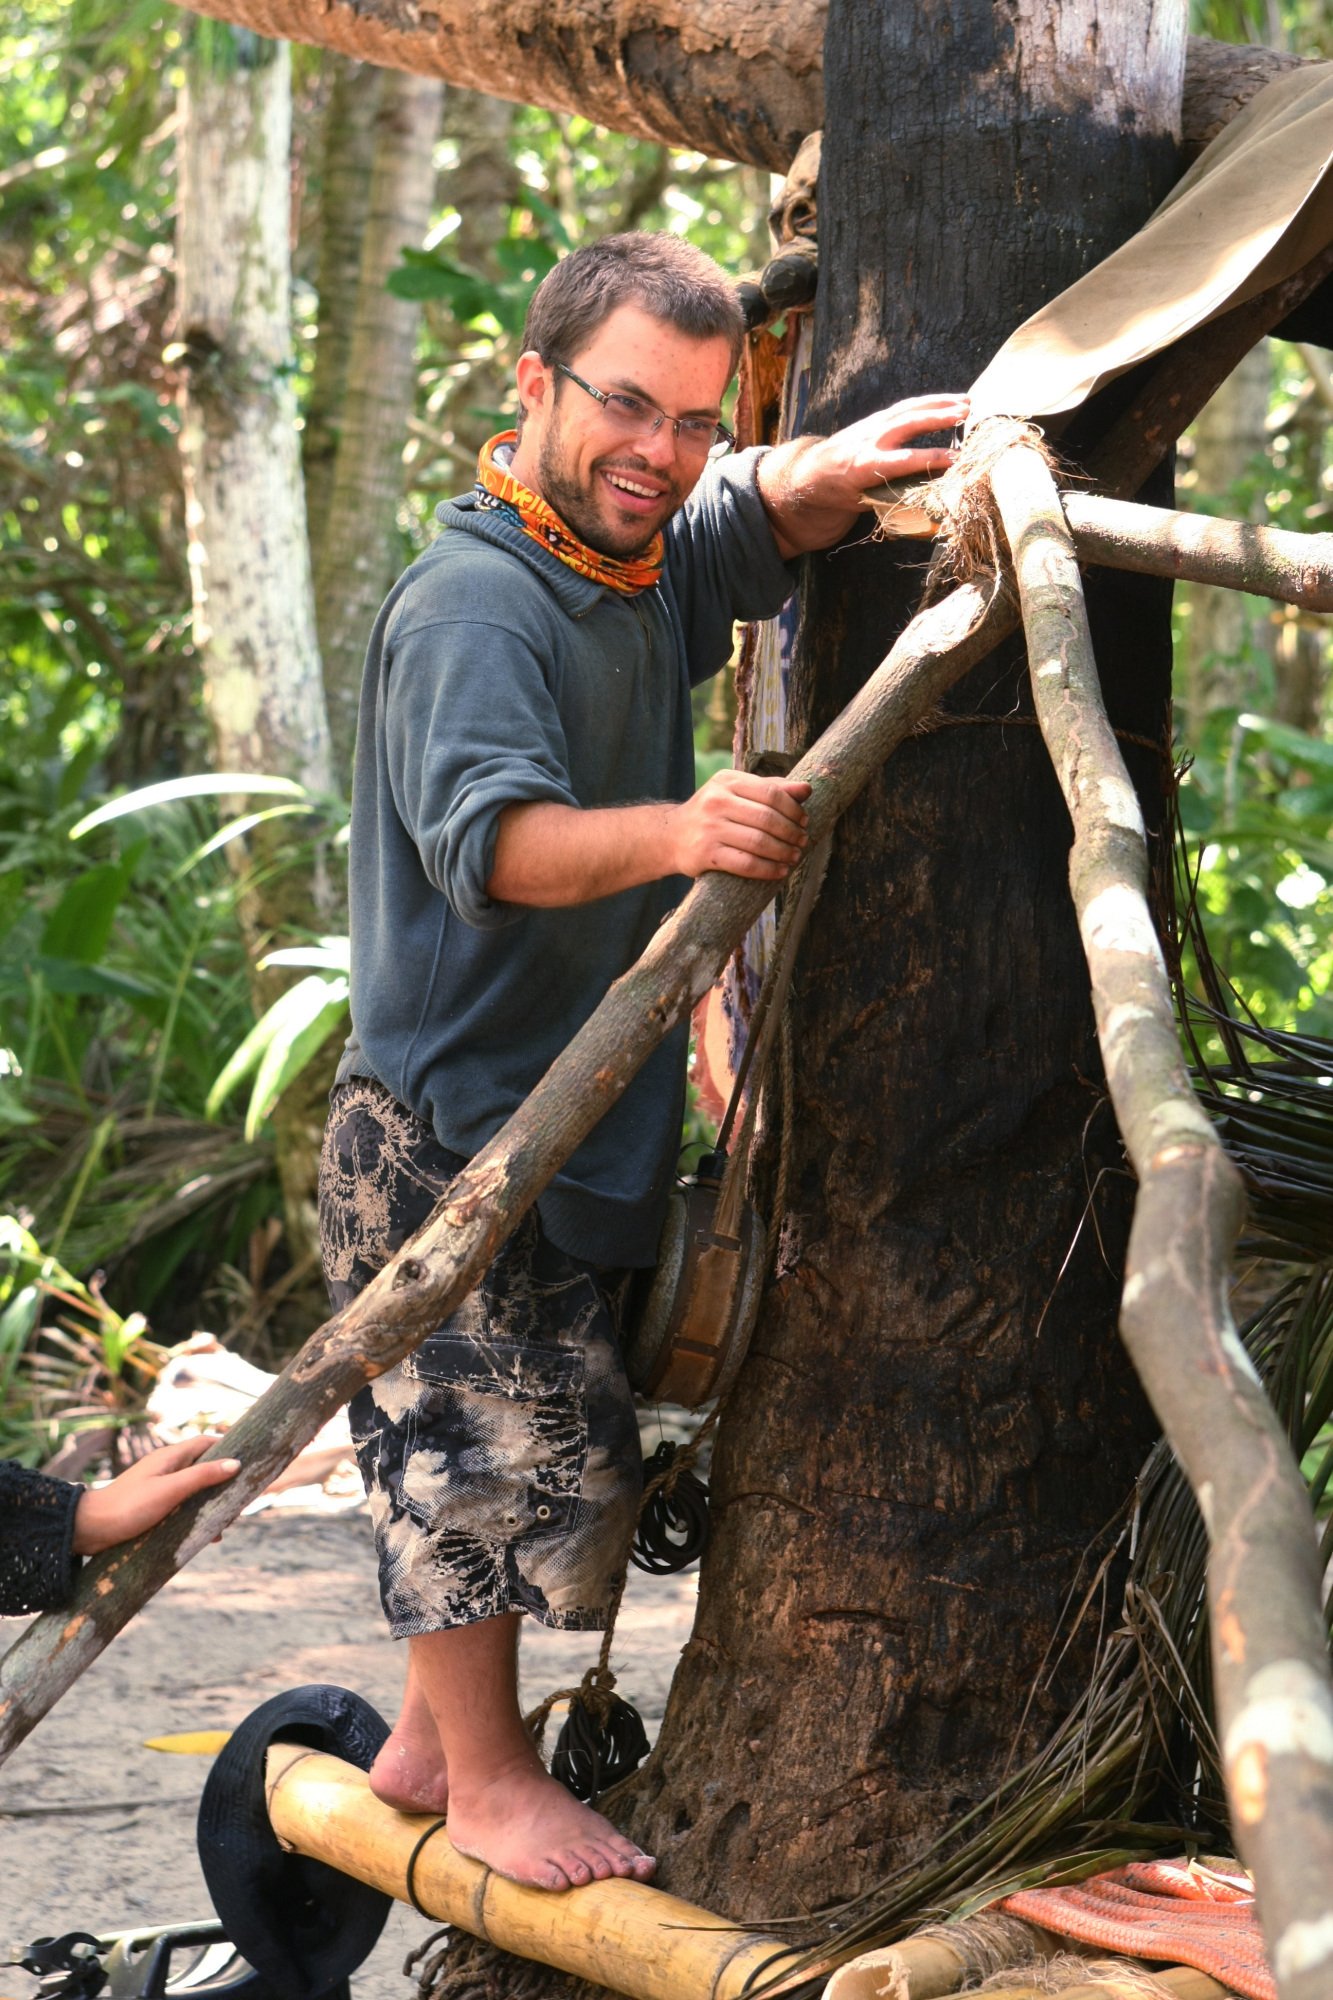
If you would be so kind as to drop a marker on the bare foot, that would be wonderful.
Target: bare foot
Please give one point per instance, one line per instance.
(410, 1773)
(524, 1825)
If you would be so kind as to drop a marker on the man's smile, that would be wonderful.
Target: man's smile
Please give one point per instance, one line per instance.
(633, 488)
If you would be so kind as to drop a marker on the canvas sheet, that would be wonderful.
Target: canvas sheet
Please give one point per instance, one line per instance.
(1256, 205)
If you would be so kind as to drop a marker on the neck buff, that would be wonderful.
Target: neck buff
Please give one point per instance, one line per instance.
(498, 489)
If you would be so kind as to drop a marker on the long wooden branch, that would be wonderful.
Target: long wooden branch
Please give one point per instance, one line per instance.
(736, 79)
(1159, 541)
(432, 1274)
(1196, 548)
(1275, 1702)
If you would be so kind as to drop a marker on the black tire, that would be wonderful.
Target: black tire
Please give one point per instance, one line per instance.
(303, 1926)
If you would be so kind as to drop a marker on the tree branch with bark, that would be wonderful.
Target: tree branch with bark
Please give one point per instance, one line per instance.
(1275, 1703)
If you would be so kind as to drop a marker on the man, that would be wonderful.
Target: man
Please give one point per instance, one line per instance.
(523, 818)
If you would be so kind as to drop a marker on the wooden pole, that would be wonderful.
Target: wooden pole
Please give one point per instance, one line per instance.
(1271, 1666)
(1160, 541)
(1157, 541)
(627, 1936)
(433, 1273)
(1180, 1982)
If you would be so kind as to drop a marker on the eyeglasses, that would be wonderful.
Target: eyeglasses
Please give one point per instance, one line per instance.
(632, 416)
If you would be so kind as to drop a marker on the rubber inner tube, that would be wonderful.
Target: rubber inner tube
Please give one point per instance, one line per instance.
(301, 1924)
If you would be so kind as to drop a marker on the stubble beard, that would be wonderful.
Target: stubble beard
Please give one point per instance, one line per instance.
(577, 508)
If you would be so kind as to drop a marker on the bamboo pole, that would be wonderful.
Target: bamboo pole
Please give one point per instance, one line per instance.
(1275, 1704)
(433, 1273)
(1179, 1982)
(625, 1935)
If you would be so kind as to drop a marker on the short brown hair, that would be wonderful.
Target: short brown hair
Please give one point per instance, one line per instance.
(664, 275)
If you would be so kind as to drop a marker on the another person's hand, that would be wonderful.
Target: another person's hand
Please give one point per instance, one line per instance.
(146, 1493)
(812, 487)
(741, 825)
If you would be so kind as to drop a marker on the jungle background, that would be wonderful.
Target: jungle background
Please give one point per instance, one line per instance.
(172, 949)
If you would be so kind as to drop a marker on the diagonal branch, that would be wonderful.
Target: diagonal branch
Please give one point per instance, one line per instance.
(433, 1273)
(1275, 1705)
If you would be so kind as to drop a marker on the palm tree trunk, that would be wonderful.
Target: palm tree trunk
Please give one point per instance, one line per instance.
(359, 545)
(254, 625)
(347, 154)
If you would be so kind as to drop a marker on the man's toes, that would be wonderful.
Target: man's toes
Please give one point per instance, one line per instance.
(575, 1866)
(626, 1857)
(645, 1867)
(550, 1875)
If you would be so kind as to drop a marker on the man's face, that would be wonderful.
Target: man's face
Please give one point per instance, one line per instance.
(616, 492)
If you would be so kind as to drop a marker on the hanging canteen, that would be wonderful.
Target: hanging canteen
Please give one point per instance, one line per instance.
(690, 1336)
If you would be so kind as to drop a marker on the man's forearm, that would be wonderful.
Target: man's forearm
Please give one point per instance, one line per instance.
(788, 480)
(549, 856)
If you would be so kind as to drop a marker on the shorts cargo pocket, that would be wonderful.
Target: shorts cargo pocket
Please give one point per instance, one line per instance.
(500, 1440)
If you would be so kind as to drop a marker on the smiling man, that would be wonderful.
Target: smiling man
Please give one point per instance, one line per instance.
(524, 816)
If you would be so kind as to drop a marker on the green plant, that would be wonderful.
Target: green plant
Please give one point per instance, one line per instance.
(1256, 807)
(68, 1361)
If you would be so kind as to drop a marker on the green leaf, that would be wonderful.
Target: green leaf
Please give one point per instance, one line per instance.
(63, 975)
(306, 1016)
(425, 275)
(199, 786)
(244, 1058)
(549, 218)
(234, 830)
(1312, 753)
(80, 924)
(331, 954)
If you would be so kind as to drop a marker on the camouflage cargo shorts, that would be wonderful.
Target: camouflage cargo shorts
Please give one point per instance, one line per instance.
(502, 1456)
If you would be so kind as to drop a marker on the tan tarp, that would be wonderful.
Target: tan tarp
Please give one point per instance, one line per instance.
(1256, 205)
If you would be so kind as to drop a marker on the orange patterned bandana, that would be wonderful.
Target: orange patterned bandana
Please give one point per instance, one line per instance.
(498, 489)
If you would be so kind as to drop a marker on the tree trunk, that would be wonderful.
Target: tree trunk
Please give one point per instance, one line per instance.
(359, 551)
(245, 509)
(347, 154)
(936, 1420)
(482, 185)
(739, 79)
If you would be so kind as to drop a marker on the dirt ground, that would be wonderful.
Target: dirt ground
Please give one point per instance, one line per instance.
(97, 1831)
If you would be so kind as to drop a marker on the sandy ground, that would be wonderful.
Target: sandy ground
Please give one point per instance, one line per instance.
(97, 1831)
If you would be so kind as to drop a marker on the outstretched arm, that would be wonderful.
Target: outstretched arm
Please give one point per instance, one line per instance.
(811, 487)
(145, 1493)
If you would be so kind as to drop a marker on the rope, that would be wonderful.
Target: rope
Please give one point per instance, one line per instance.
(939, 720)
(411, 1874)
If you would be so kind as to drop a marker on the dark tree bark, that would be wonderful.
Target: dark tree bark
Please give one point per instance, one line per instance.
(936, 1420)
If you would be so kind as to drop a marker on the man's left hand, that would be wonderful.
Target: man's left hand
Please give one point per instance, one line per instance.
(812, 487)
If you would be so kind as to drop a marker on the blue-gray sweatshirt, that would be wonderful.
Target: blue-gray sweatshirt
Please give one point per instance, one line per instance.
(496, 674)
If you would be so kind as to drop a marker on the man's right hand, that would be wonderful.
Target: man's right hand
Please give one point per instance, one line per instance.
(741, 825)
